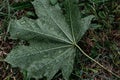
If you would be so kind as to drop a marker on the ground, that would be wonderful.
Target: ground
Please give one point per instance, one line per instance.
(101, 42)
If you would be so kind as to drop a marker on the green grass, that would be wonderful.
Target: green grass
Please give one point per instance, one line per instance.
(101, 42)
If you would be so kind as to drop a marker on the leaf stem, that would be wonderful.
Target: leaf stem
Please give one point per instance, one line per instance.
(97, 62)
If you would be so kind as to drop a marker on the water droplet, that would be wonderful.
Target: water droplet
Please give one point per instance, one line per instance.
(43, 22)
(46, 73)
(57, 60)
(40, 48)
(45, 56)
(52, 29)
(59, 51)
(22, 22)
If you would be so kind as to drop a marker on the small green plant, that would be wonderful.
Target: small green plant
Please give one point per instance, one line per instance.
(52, 39)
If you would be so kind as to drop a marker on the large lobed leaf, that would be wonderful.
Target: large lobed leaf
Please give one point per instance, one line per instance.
(51, 40)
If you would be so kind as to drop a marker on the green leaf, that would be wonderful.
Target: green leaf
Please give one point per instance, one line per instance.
(78, 25)
(53, 2)
(98, 1)
(52, 40)
(21, 5)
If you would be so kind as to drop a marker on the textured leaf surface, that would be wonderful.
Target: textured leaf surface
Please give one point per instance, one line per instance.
(78, 25)
(51, 40)
(53, 2)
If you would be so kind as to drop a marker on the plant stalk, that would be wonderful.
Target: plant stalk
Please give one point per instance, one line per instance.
(96, 62)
